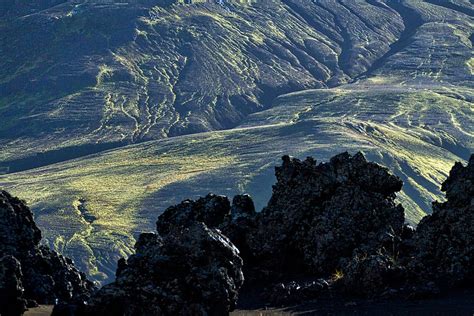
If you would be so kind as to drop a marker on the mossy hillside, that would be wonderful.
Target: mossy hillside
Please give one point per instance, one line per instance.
(418, 134)
(131, 71)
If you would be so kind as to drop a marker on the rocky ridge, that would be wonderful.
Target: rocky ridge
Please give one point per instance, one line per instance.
(444, 241)
(197, 261)
(191, 271)
(31, 273)
(317, 217)
(330, 230)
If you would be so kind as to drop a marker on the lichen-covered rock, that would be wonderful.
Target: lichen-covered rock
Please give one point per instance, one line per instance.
(191, 270)
(46, 276)
(12, 302)
(319, 214)
(444, 240)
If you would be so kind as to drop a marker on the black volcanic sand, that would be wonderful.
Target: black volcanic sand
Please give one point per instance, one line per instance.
(460, 303)
(457, 303)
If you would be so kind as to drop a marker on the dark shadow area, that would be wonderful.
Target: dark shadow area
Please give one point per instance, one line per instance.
(55, 156)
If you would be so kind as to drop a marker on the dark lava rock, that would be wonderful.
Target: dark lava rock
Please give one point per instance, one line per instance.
(295, 292)
(12, 302)
(193, 270)
(444, 240)
(236, 221)
(212, 210)
(242, 207)
(46, 276)
(375, 275)
(319, 218)
(18, 230)
(319, 215)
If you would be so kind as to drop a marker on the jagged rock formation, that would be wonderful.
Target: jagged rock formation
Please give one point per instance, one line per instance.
(332, 229)
(212, 210)
(30, 270)
(317, 217)
(444, 240)
(189, 271)
(12, 302)
(438, 256)
(339, 220)
(320, 214)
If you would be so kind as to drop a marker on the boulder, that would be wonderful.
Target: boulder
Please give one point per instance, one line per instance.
(191, 270)
(46, 277)
(12, 302)
(319, 215)
(444, 240)
(213, 210)
(375, 275)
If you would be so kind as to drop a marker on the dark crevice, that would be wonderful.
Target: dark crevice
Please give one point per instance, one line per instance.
(346, 49)
(55, 156)
(345, 45)
(412, 20)
(85, 213)
(360, 17)
(305, 17)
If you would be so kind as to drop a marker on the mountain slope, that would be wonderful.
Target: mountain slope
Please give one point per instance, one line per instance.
(92, 72)
(213, 95)
(92, 207)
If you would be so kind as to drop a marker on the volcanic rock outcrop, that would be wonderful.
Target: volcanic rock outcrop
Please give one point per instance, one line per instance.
(28, 270)
(11, 289)
(317, 217)
(188, 271)
(444, 240)
(213, 210)
(329, 230)
(436, 257)
(335, 226)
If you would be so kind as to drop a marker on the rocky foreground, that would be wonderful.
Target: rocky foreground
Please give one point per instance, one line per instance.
(330, 231)
(30, 273)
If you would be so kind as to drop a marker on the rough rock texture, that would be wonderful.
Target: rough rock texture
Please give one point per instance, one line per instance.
(371, 276)
(189, 271)
(319, 214)
(11, 288)
(44, 275)
(295, 292)
(444, 241)
(212, 210)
